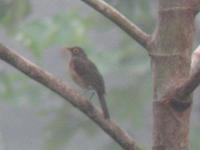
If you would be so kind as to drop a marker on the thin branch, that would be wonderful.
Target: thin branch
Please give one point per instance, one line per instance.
(57, 86)
(180, 93)
(124, 23)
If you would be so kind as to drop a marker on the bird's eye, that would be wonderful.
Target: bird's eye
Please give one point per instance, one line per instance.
(75, 50)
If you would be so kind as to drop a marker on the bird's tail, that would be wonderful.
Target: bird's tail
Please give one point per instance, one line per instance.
(104, 106)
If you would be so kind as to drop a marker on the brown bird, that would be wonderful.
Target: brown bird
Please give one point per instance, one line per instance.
(86, 75)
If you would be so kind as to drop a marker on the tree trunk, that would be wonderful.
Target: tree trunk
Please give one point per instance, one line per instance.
(170, 58)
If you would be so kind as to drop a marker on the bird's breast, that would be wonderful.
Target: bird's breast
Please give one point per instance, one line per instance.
(76, 77)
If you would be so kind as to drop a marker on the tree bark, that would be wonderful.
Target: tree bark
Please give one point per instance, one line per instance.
(170, 58)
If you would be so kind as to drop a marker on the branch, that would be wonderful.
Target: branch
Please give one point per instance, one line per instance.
(57, 86)
(125, 24)
(180, 93)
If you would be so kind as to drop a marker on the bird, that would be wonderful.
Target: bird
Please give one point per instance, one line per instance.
(85, 74)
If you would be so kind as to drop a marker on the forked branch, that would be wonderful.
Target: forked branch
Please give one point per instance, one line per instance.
(180, 93)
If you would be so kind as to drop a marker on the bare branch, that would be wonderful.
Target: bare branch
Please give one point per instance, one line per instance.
(57, 86)
(195, 62)
(125, 24)
(180, 93)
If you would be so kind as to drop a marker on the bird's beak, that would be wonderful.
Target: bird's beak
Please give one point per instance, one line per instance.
(68, 48)
(65, 50)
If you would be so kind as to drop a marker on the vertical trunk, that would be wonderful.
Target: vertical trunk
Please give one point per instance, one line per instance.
(170, 58)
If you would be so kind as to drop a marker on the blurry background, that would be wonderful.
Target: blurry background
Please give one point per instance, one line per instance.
(34, 118)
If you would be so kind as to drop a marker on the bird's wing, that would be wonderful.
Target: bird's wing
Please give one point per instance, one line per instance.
(89, 73)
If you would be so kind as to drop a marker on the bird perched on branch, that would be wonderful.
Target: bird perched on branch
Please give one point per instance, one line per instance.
(86, 75)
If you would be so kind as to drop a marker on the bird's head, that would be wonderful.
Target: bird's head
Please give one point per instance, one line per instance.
(76, 51)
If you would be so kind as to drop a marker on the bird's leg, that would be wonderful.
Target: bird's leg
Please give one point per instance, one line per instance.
(91, 96)
(85, 92)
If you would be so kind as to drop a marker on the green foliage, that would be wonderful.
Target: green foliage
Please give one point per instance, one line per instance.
(12, 12)
(13, 91)
(61, 29)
